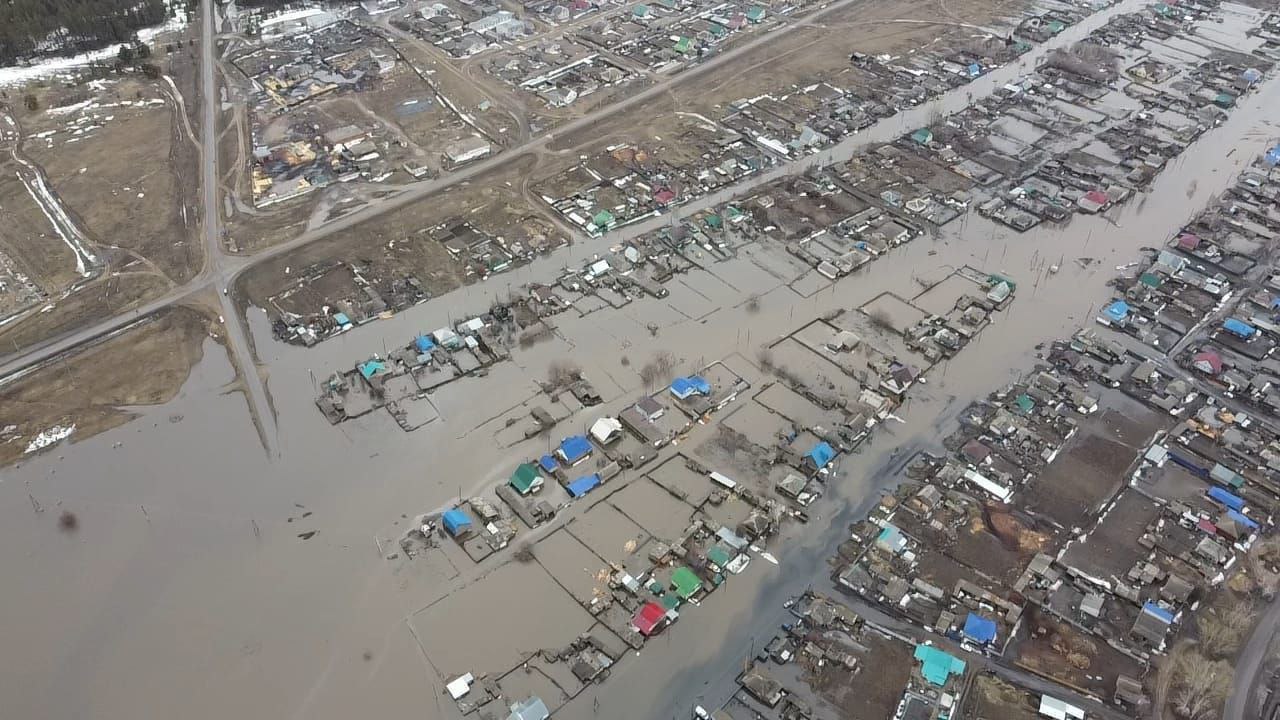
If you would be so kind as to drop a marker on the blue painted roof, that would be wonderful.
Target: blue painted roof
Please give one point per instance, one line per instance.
(683, 387)
(1239, 327)
(1242, 519)
(1273, 156)
(424, 343)
(369, 368)
(1117, 311)
(979, 629)
(583, 485)
(341, 319)
(1222, 496)
(574, 448)
(1159, 612)
(455, 521)
(548, 463)
(821, 454)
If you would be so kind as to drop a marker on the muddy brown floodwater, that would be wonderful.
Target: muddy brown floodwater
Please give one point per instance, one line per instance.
(187, 591)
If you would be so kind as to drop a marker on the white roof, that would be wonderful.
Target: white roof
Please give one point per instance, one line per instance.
(605, 427)
(460, 686)
(600, 267)
(995, 489)
(1058, 710)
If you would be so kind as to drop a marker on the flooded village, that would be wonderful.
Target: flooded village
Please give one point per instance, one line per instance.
(944, 387)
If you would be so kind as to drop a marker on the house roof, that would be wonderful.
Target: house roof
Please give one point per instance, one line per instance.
(648, 617)
(686, 583)
(531, 709)
(937, 665)
(683, 387)
(821, 454)
(455, 521)
(979, 629)
(548, 463)
(583, 485)
(1210, 358)
(524, 478)
(574, 448)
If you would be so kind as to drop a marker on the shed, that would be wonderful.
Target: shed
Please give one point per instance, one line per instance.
(1239, 328)
(525, 479)
(574, 449)
(979, 629)
(456, 522)
(583, 485)
(424, 344)
(1052, 707)
(548, 463)
(1222, 497)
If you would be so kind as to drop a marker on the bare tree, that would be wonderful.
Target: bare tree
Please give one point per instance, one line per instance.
(648, 375)
(562, 372)
(1223, 628)
(1200, 686)
(765, 358)
(665, 362)
(881, 319)
(753, 303)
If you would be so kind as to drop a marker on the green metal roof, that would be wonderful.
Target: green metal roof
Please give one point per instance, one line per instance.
(713, 221)
(684, 45)
(922, 136)
(1025, 403)
(669, 601)
(719, 556)
(524, 478)
(685, 582)
(938, 666)
(1151, 280)
(604, 218)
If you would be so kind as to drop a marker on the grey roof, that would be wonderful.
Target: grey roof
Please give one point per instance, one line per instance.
(531, 709)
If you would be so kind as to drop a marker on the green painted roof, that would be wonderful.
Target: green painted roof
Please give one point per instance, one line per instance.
(717, 29)
(719, 556)
(685, 582)
(656, 588)
(604, 218)
(1056, 27)
(524, 478)
(938, 666)
(1025, 403)
(755, 13)
(997, 279)
(684, 45)
(713, 221)
(1151, 280)
(641, 11)
(669, 601)
(922, 136)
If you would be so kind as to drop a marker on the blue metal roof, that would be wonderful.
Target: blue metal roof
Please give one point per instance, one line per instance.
(821, 454)
(341, 319)
(548, 463)
(424, 343)
(1222, 496)
(574, 448)
(1242, 519)
(455, 521)
(1239, 327)
(979, 629)
(1117, 311)
(683, 387)
(583, 485)
(1156, 610)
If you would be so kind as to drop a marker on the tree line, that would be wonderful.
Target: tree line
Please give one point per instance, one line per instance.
(36, 28)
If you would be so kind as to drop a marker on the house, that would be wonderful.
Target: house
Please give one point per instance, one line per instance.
(1240, 329)
(1207, 362)
(526, 479)
(791, 486)
(1152, 625)
(686, 584)
(1117, 313)
(685, 387)
(606, 430)
(531, 709)
(583, 485)
(651, 409)
(937, 666)
(574, 449)
(1056, 709)
(980, 630)
(819, 456)
(457, 523)
(649, 619)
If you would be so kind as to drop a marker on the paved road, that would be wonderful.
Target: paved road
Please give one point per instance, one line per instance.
(1242, 702)
(233, 322)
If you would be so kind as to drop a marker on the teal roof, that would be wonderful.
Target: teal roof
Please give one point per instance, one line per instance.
(937, 665)
(922, 136)
(719, 556)
(524, 478)
(372, 367)
(1025, 403)
(686, 583)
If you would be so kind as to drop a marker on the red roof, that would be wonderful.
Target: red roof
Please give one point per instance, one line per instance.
(664, 196)
(647, 618)
(1207, 526)
(1187, 241)
(1097, 196)
(1210, 358)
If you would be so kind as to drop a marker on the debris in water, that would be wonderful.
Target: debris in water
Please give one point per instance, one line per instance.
(68, 522)
(49, 437)
(308, 535)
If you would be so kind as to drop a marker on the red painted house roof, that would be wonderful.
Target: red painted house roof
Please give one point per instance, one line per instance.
(1210, 358)
(664, 196)
(648, 617)
(1187, 241)
(1098, 197)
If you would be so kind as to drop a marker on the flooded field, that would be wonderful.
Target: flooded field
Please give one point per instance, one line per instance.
(204, 579)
